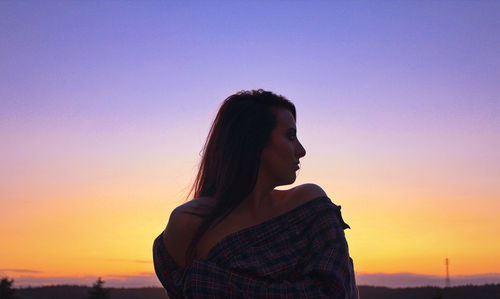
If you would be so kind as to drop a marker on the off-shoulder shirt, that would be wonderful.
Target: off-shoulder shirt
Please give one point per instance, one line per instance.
(301, 253)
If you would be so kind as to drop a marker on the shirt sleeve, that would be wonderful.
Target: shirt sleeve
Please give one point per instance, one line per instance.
(327, 273)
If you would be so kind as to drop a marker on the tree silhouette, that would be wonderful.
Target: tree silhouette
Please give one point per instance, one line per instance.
(98, 291)
(6, 290)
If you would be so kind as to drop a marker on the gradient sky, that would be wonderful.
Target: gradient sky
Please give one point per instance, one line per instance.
(104, 108)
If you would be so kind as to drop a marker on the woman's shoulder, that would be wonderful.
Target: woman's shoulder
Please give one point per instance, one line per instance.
(299, 195)
(306, 192)
(296, 196)
(181, 225)
(182, 215)
(309, 190)
(195, 205)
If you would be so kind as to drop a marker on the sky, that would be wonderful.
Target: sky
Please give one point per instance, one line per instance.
(105, 106)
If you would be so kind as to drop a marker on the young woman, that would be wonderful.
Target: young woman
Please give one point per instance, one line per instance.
(240, 237)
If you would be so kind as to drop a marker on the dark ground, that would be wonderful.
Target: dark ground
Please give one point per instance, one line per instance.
(488, 291)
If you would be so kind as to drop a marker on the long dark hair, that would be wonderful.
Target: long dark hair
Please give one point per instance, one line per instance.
(231, 155)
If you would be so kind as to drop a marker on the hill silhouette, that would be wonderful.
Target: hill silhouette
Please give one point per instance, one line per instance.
(488, 291)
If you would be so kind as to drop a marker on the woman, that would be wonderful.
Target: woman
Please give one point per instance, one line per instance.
(240, 237)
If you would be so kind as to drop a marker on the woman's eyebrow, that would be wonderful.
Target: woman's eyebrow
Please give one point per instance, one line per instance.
(294, 130)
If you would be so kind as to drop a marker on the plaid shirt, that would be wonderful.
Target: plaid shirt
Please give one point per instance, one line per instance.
(302, 253)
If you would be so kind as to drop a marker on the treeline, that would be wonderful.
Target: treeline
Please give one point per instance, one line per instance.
(82, 292)
(98, 291)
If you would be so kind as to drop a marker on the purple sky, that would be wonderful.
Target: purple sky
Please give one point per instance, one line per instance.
(107, 104)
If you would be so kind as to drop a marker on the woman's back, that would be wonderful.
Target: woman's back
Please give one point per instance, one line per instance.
(301, 253)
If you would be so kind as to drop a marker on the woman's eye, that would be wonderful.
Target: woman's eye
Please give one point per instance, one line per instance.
(292, 137)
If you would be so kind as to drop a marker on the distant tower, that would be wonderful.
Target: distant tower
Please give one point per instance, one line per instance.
(447, 282)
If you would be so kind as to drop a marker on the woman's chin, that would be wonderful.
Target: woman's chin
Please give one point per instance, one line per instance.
(291, 180)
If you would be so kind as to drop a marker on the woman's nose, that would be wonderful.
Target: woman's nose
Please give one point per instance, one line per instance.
(301, 151)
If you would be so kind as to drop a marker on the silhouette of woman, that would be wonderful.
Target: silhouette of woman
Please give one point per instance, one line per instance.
(239, 237)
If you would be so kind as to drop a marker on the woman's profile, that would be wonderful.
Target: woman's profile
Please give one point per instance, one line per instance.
(239, 237)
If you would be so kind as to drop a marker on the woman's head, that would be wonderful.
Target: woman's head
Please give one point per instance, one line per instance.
(241, 132)
(252, 135)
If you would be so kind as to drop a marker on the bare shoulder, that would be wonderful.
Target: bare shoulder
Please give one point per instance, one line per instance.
(180, 229)
(195, 205)
(306, 192)
(182, 217)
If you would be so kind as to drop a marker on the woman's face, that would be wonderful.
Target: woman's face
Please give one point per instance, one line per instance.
(280, 158)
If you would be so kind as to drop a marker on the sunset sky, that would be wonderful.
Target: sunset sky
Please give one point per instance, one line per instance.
(105, 106)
